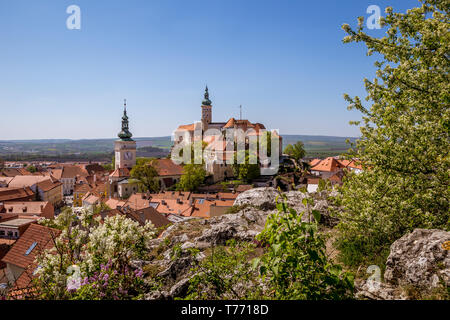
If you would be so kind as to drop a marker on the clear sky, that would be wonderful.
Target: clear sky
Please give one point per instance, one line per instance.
(284, 61)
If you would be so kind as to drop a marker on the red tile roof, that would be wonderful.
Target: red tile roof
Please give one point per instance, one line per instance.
(35, 233)
(120, 173)
(9, 194)
(166, 167)
(329, 164)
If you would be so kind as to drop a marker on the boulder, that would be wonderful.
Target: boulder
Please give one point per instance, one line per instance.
(262, 198)
(419, 259)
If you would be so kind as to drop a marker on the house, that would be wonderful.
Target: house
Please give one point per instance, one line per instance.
(329, 164)
(50, 190)
(20, 259)
(12, 172)
(169, 173)
(142, 216)
(119, 184)
(90, 200)
(32, 209)
(16, 194)
(14, 228)
(69, 176)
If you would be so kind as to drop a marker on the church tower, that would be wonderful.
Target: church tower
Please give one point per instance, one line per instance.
(125, 147)
(206, 110)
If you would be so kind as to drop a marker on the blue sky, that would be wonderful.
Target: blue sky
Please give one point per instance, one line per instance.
(284, 61)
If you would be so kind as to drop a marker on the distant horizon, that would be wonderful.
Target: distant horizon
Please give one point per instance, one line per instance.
(154, 137)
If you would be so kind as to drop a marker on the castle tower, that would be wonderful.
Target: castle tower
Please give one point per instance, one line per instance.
(125, 147)
(206, 110)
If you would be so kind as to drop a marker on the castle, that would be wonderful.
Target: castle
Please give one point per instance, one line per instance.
(218, 169)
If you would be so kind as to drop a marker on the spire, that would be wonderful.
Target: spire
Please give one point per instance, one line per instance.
(206, 101)
(125, 134)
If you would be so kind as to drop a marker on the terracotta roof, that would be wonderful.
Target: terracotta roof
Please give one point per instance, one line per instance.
(114, 203)
(329, 164)
(9, 194)
(26, 207)
(313, 162)
(166, 167)
(230, 123)
(71, 172)
(48, 185)
(5, 216)
(188, 127)
(57, 173)
(35, 239)
(81, 187)
(90, 198)
(149, 214)
(227, 195)
(26, 181)
(12, 172)
(184, 195)
(202, 208)
(243, 187)
(5, 180)
(351, 164)
(120, 172)
(173, 206)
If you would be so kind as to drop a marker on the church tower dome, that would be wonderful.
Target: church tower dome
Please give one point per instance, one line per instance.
(206, 110)
(125, 134)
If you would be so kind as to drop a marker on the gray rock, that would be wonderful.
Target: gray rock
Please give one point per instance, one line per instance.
(262, 198)
(419, 259)
(374, 290)
(180, 288)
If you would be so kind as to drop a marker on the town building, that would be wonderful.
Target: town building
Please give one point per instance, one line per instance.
(218, 151)
(119, 184)
(29, 209)
(20, 259)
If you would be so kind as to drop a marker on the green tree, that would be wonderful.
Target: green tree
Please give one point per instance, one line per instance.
(404, 145)
(32, 169)
(296, 151)
(193, 176)
(248, 170)
(146, 176)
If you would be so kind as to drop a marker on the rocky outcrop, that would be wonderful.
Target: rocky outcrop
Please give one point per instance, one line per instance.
(171, 253)
(261, 198)
(417, 260)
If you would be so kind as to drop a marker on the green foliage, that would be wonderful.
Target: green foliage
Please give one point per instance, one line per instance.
(193, 176)
(296, 151)
(248, 170)
(31, 169)
(405, 142)
(296, 264)
(225, 274)
(145, 175)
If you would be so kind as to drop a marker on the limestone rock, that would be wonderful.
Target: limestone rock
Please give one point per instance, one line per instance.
(419, 259)
(263, 198)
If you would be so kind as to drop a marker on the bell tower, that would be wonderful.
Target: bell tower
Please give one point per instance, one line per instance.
(206, 110)
(125, 147)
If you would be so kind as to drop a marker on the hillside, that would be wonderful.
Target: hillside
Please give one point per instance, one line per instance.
(101, 149)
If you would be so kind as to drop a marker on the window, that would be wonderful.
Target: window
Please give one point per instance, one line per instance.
(33, 245)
